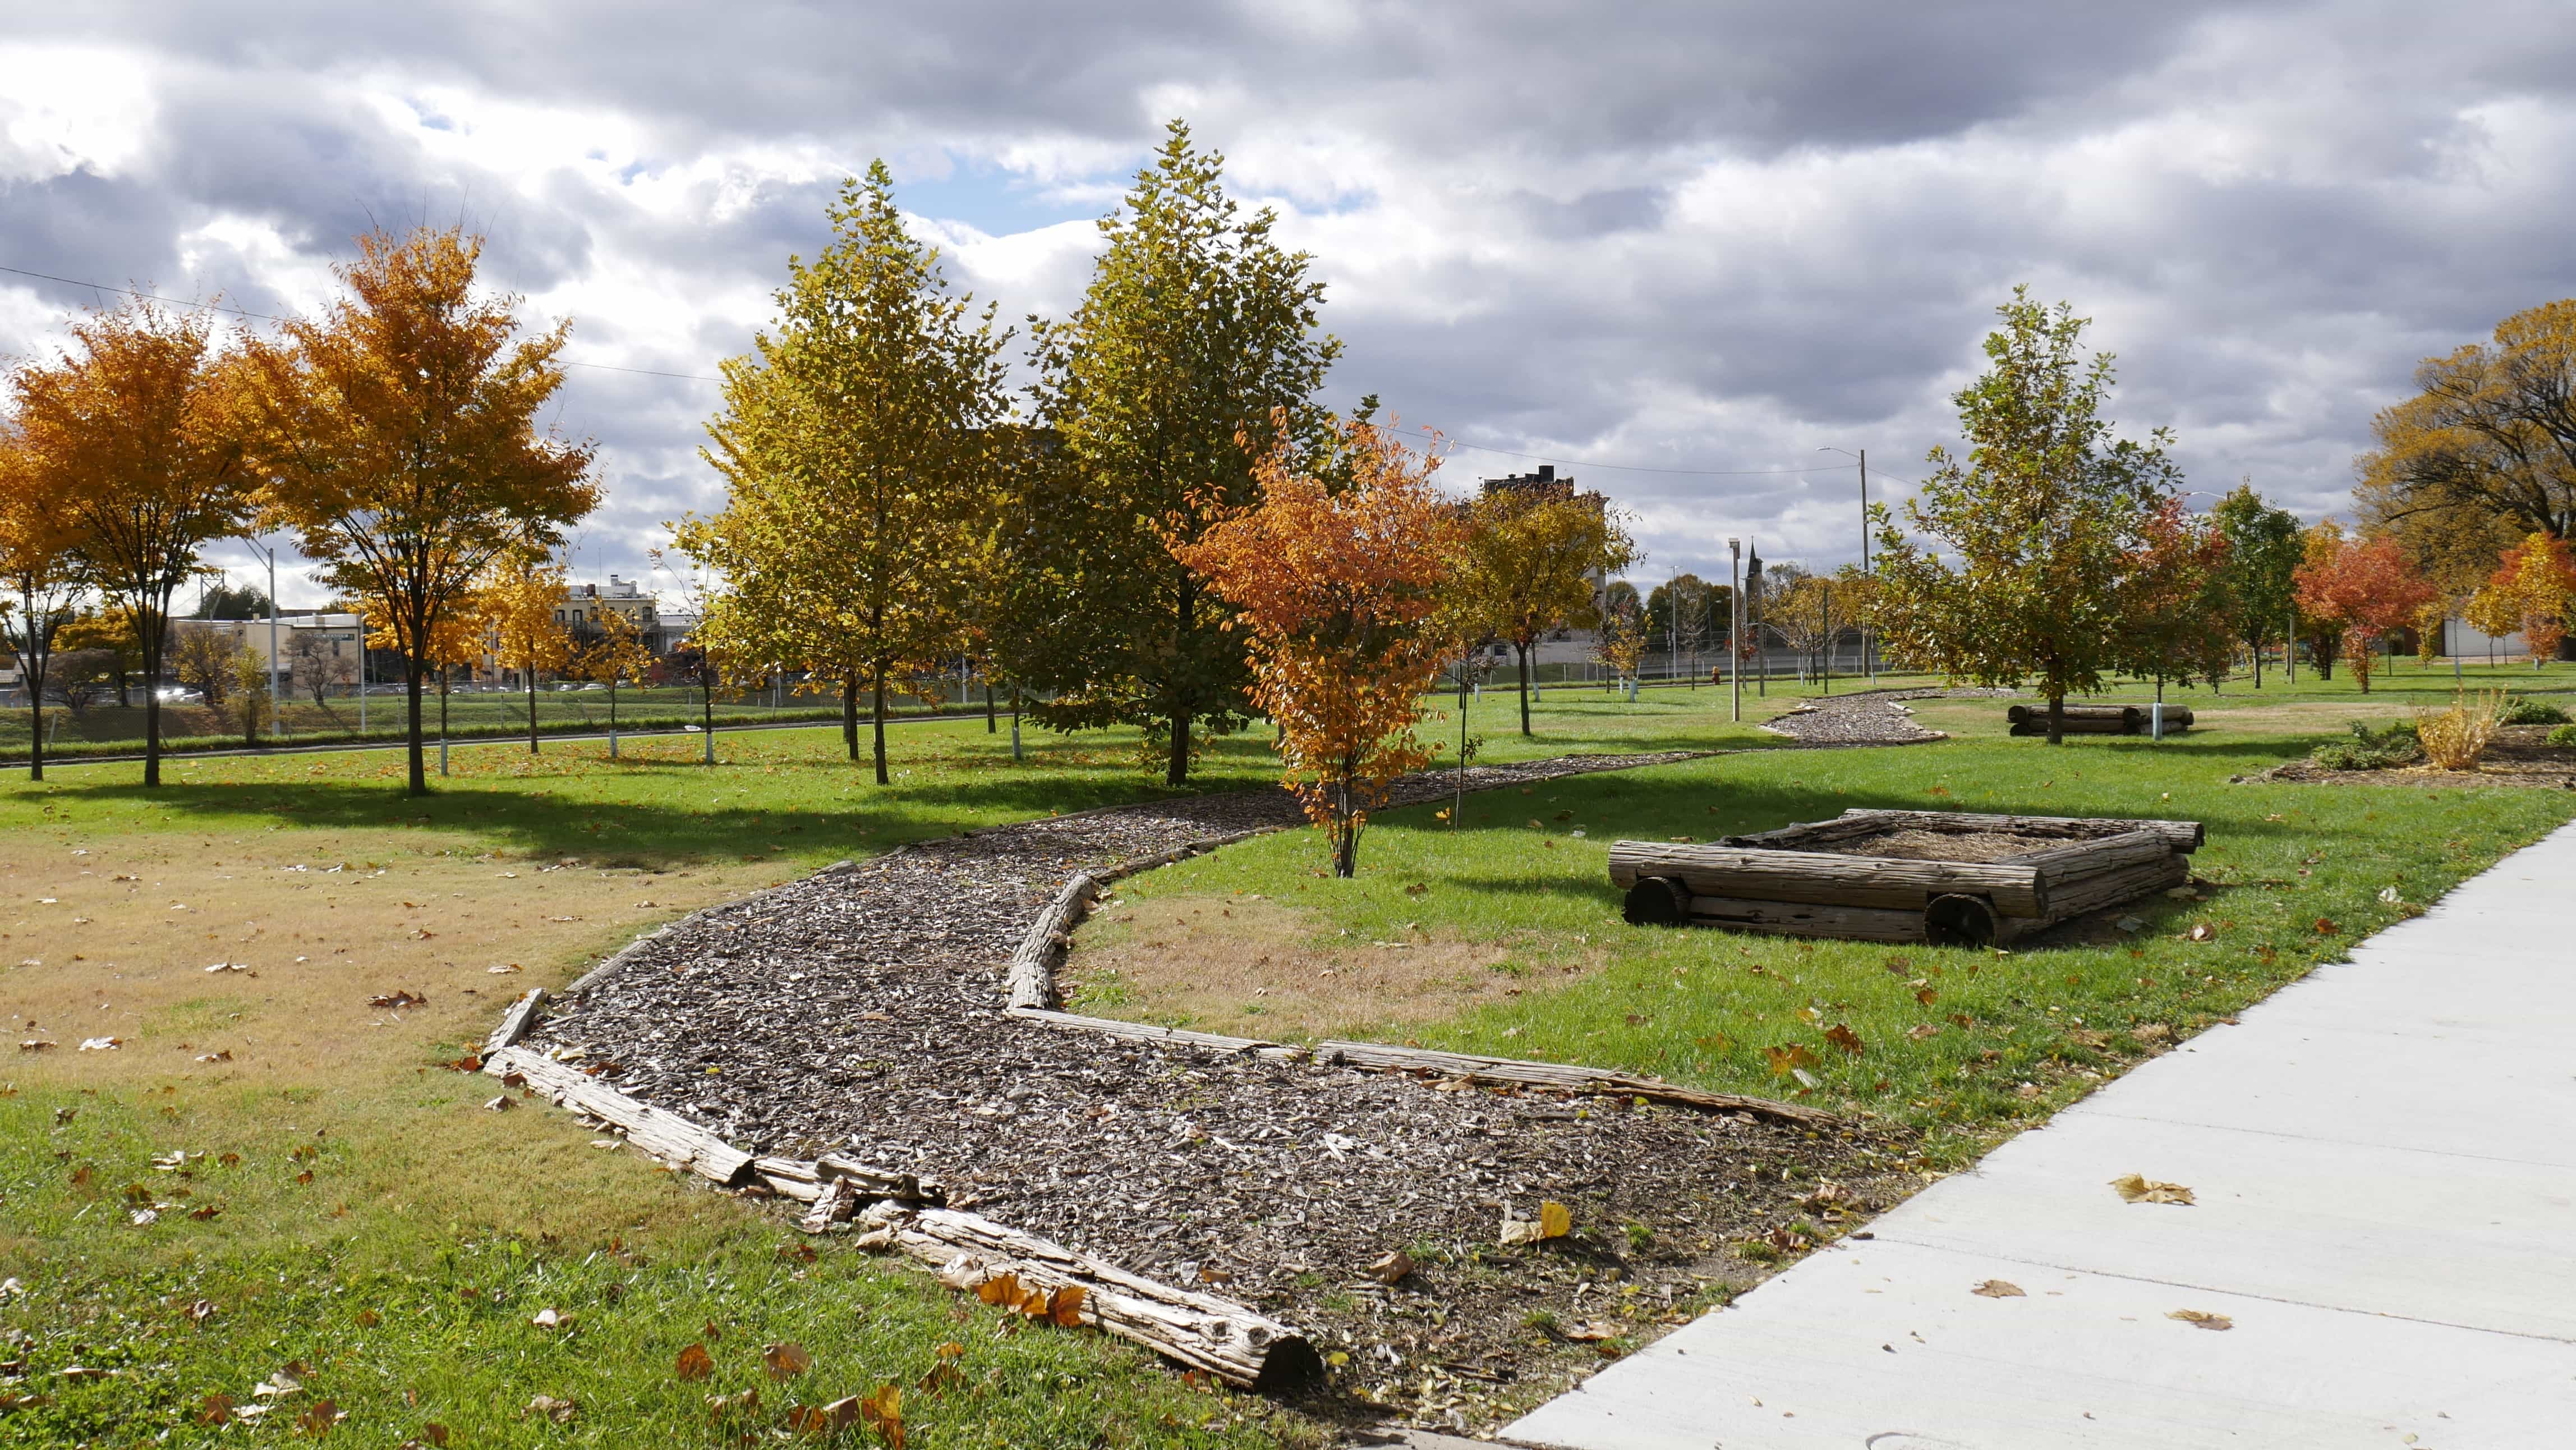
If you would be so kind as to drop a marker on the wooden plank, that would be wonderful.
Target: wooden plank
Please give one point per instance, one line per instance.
(1477, 1068)
(2110, 888)
(1795, 918)
(515, 1022)
(2186, 835)
(1825, 879)
(1234, 1342)
(665, 1135)
(1808, 834)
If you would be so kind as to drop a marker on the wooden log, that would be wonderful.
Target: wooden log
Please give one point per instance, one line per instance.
(836, 1201)
(1146, 1032)
(2125, 714)
(1030, 977)
(1477, 1068)
(515, 1022)
(1825, 879)
(1233, 1342)
(2109, 888)
(665, 1135)
(2060, 864)
(799, 1179)
(1798, 918)
(1807, 835)
(2029, 728)
(2186, 835)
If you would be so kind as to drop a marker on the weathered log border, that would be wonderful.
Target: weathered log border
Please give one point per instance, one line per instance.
(903, 1212)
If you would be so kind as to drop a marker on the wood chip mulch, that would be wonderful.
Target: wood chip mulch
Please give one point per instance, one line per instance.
(1867, 717)
(860, 1011)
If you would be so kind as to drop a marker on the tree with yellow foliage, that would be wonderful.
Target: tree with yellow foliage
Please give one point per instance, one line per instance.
(614, 655)
(518, 601)
(401, 441)
(135, 446)
(2529, 593)
(1528, 564)
(1336, 592)
(856, 445)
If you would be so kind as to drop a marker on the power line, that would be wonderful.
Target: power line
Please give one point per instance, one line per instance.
(703, 378)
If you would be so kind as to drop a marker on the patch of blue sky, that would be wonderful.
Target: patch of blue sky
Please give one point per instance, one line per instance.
(1000, 202)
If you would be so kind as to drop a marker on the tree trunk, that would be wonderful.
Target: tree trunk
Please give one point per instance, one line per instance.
(151, 642)
(1523, 651)
(707, 706)
(992, 716)
(418, 782)
(532, 710)
(877, 671)
(2057, 719)
(31, 670)
(850, 714)
(1176, 769)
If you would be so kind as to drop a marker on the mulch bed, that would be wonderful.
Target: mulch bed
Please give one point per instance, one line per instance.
(1867, 717)
(2520, 756)
(1910, 845)
(860, 1011)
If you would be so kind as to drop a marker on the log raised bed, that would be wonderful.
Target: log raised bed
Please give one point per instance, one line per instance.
(1943, 877)
(2096, 720)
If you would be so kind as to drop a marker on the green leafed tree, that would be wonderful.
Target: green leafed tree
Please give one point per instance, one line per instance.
(857, 442)
(1196, 338)
(2264, 548)
(1532, 561)
(2043, 519)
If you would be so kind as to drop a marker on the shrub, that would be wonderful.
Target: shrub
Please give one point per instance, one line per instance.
(2380, 747)
(2563, 737)
(2455, 738)
(2520, 711)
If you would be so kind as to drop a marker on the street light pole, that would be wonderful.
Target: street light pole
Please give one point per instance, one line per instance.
(1868, 663)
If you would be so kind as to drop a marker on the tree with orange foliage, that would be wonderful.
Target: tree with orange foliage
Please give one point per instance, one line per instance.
(2363, 587)
(401, 441)
(520, 598)
(2529, 592)
(135, 444)
(39, 577)
(1336, 590)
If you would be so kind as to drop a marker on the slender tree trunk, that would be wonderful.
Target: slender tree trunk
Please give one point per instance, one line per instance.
(532, 709)
(418, 783)
(707, 703)
(31, 669)
(878, 672)
(1176, 770)
(850, 714)
(1523, 651)
(2057, 719)
(992, 715)
(151, 698)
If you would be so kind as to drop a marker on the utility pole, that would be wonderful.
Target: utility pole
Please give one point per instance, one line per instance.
(1735, 626)
(1868, 662)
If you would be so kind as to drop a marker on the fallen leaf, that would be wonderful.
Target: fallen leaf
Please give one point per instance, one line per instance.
(1923, 1031)
(223, 1056)
(1787, 1060)
(319, 1417)
(551, 1318)
(1391, 1266)
(786, 1361)
(2202, 1319)
(694, 1363)
(2326, 927)
(2138, 1188)
(1843, 1037)
(1555, 1220)
(1926, 996)
(559, 1411)
(2202, 931)
(215, 1410)
(1593, 1332)
(883, 1412)
(824, 1419)
(369, 1319)
(800, 1253)
(1999, 1289)
(397, 1000)
(101, 1044)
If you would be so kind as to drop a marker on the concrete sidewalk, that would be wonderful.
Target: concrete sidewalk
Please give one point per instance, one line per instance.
(2384, 1156)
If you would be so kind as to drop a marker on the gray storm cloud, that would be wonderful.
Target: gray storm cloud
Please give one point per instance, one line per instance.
(1705, 239)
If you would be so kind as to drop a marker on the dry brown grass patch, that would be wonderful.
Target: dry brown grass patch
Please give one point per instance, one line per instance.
(1258, 969)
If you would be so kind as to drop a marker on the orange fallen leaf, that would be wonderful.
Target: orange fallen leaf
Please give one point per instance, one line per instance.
(1843, 1037)
(786, 1361)
(1999, 1289)
(2138, 1188)
(694, 1363)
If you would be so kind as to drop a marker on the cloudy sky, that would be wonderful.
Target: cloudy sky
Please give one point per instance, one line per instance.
(1675, 248)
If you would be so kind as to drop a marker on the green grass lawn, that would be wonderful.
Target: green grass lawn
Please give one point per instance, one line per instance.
(404, 1273)
(1971, 1040)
